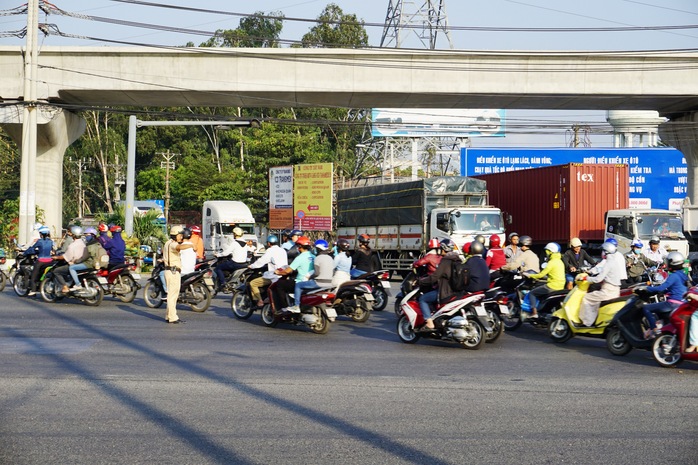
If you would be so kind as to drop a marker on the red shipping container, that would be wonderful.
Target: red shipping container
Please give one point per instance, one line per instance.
(557, 203)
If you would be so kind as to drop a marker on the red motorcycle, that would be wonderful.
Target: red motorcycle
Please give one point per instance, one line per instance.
(120, 282)
(669, 347)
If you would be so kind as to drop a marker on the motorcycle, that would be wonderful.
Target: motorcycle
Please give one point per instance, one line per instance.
(314, 311)
(120, 282)
(91, 291)
(242, 304)
(3, 266)
(627, 328)
(463, 320)
(517, 286)
(379, 282)
(23, 268)
(496, 303)
(194, 291)
(670, 346)
(565, 321)
(233, 279)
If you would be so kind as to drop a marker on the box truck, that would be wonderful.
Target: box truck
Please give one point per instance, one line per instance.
(400, 218)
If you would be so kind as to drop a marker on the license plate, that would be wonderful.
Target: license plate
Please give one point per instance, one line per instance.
(503, 309)
(102, 280)
(331, 312)
(208, 281)
(136, 276)
(369, 297)
(480, 310)
(385, 284)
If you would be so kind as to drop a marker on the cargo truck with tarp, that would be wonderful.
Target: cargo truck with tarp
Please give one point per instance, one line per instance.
(400, 218)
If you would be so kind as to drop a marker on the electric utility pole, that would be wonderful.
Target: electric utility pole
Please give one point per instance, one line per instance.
(168, 164)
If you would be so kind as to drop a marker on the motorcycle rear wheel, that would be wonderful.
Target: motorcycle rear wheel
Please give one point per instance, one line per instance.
(268, 316)
(361, 313)
(616, 343)
(398, 309)
(559, 330)
(512, 322)
(666, 350)
(241, 305)
(21, 284)
(380, 299)
(201, 294)
(497, 327)
(152, 295)
(128, 288)
(405, 331)
(323, 325)
(477, 340)
(97, 299)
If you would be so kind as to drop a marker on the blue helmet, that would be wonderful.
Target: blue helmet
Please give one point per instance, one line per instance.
(322, 244)
(296, 232)
(611, 240)
(272, 239)
(44, 231)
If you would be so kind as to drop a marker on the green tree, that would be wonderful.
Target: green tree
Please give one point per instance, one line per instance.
(258, 30)
(336, 29)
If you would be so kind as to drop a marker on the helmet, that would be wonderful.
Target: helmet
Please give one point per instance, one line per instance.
(514, 234)
(115, 229)
(553, 247)
(343, 244)
(364, 238)
(92, 231)
(286, 233)
(322, 244)
(303, 240)
(102, 227)
(76, 231)
(237, 232)
(476, 248)
(196, 229)
(609, 247)
(174, 230)
(296, 232)
(637, 243)
(44, 231)
(526, 240)
(675, 260)
(37, 226)
(466, 248)
(447, 245)
(575, 242)
(495, 241)
(272, 239)
(186, 233)
(480, 238)
(654, 240)
(612, 241)
(433, 243)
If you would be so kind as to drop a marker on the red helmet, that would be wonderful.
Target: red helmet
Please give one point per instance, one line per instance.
(102, 227)
(196, 229)
(304, 241)
(466, 248)
(495, 241)
(115, 229)
(364, 238)
(434, 243)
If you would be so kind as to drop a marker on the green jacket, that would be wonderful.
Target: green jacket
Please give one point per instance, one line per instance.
(93, 250)
(555, 270)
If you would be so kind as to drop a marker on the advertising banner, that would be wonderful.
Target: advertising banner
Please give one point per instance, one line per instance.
(436, 122)
(658, 177)
(281, 197)
(312, 197)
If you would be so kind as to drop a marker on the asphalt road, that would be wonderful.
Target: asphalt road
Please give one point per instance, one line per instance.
(116, 384)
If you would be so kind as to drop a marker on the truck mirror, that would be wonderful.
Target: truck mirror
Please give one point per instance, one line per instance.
(639, 220)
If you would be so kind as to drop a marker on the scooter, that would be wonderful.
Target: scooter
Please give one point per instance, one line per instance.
(565, 322)
(462, 320)
(314, 311)
(670, 346)
(91, 291)
(354, 298)
(242, 304)
(517, 286)
(23, 268)
(627, 328)
(120, 282)
(194, 291)
(496, 303)
(379, 282)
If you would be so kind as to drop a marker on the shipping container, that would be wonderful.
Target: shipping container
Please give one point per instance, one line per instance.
(557, 203)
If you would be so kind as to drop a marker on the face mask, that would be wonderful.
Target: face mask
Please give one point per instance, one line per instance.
(636, 251)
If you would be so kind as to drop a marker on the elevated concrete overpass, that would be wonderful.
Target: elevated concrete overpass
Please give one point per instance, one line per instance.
(108, 76)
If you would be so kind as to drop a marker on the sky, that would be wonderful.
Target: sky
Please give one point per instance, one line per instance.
(461, 14)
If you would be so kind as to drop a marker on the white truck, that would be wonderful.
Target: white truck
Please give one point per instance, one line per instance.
(400, 218)
(219, 218)
(626, 225)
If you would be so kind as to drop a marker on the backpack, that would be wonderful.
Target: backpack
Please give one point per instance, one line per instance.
(459, 276)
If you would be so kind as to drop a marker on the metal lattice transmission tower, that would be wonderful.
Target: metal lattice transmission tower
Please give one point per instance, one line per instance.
(425, 19)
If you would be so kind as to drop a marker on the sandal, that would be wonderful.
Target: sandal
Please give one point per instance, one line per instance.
(691, 349)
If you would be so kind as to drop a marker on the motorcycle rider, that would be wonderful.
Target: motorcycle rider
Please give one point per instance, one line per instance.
(188, 255)
(441, 277)
(574, 259)
(432, 258)
(197, 241)
(527, 261)
(73, 254)
(477, 274)
(554, 270)
(495, 257)
(512, 250)
(342, 263)
(675, 286)
(636, 262)
(103, 233)
(365, 260)
(238, 253)
(115, 247)
(303, 266)
(89, 259)
(274, 257)
(323, 270)
(654, 252)
(290, 245)
(43, 248)
(481, 239)
(611, 274)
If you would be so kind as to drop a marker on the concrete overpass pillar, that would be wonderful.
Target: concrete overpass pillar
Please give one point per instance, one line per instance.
(682, 132)
(57, 129)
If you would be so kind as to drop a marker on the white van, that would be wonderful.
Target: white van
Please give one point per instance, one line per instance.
(219, 218)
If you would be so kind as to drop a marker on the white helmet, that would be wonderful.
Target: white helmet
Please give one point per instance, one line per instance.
(609, 247)
(553, 247)
(37, 226)
(675, 260)
(76, 231)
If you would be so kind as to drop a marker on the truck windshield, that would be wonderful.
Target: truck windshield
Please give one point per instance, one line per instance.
(468, 221)
(666, 227)
(227, 228)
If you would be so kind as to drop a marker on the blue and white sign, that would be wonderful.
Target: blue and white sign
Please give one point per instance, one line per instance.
(658, 177)
(436, 122)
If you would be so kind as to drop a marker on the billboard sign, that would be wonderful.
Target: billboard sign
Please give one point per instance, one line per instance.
(436, 122)
(281, 197)
(312, 197)
(658, 177)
